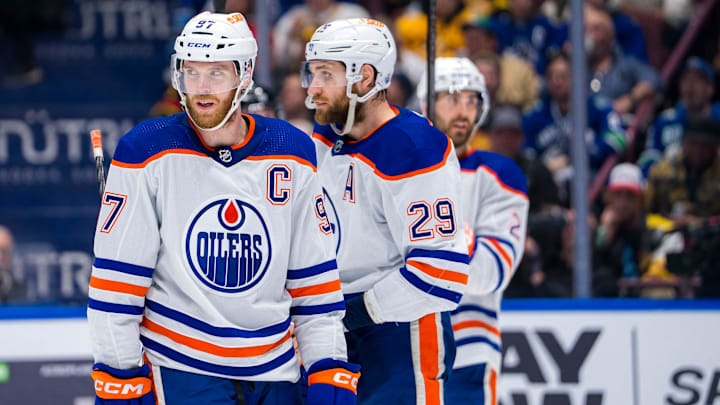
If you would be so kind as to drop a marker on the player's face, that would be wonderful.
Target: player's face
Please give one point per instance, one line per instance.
(210, 90)
(327, 88)
(456, 114)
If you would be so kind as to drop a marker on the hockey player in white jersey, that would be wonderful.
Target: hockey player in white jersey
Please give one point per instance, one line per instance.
(495, 208)
(392, 182)
(212, 239)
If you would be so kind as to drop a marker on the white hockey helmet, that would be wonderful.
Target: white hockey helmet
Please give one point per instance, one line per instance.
(214, 37)
(454, 75)
(354, 42)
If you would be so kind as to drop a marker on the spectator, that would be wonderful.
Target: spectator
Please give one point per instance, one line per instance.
(618, 247)
(518, 82)
(685, 187)
(506, 136)
(297, 25)
(696, 93)
(292, 103)
(624, 80)
(12, 290)
(451, 15)
(546, 219)
(526, 33)
(630, 38)
(548, 129)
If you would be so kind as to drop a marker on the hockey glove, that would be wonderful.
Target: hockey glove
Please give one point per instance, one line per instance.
(122, 387)
(332, 382)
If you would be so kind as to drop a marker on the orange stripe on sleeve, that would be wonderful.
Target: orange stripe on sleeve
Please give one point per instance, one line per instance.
(324, 288)
(502, 251)
(476, 324)
(439, 273)
(117, 286)
(430, 358)
(157, 156)
(206, 347)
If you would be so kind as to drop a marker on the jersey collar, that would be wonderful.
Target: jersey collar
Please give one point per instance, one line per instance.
(229, 155)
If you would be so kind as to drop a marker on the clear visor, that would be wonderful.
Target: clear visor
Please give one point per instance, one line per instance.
(321, 74)
(191, 77)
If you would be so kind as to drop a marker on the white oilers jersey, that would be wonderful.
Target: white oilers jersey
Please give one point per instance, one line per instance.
(205, 256)
(495, 207)
(393, 201)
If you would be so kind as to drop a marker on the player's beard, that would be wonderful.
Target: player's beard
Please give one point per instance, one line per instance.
(459, 137)
(337, 111)
(209, 119)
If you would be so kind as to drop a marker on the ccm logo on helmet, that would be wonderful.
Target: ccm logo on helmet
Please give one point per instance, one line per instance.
(197, 45)
(118, 388)
(345, 379)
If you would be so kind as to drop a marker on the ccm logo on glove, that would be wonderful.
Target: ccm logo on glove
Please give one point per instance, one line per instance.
(337, 377)
(345, 379)
(109, 387)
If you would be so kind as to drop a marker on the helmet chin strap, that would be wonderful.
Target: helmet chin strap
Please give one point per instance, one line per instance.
(237, 99)
(354, 99)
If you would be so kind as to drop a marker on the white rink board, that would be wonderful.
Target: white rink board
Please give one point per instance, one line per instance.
(44, 339)
(632, 360)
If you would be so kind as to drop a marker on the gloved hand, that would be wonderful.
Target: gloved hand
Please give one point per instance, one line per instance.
(122, 387)
(332, 382)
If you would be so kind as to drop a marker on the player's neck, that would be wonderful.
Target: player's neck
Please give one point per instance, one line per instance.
(461, 150)
(232, 133)
(375, 114)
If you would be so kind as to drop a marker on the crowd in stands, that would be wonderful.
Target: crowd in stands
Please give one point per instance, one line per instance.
(665, 192)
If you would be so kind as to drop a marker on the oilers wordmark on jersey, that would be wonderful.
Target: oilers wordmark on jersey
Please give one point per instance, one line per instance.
(228, 246)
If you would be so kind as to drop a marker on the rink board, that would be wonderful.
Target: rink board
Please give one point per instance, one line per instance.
(556, 352)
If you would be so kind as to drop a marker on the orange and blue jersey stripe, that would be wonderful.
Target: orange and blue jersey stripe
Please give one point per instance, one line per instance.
(436, 264)
(315, 289)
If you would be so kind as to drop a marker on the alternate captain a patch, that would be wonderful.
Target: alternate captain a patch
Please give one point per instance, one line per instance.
(227, 245)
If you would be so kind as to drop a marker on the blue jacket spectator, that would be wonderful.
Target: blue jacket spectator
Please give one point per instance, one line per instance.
(696, 93)
(630, 38)
(548, 130)
(527, 34)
